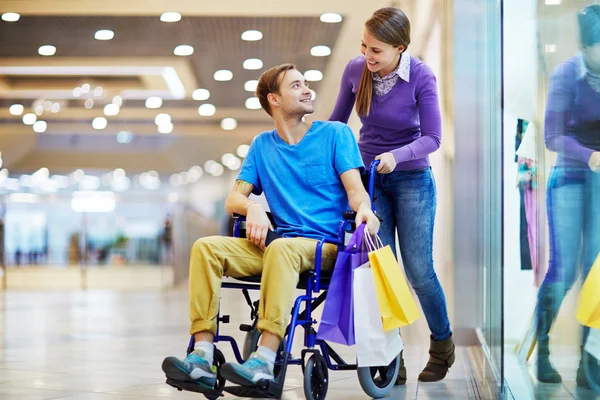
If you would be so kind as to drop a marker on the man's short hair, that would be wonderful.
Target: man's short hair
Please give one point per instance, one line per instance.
(269, 82)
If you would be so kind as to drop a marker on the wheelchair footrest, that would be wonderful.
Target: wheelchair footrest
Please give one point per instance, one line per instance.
(271, 391)
(194, 387)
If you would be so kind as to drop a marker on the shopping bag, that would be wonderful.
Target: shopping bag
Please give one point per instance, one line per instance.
(374, 346)
(588, 313)
(337, 320)
(397, 306)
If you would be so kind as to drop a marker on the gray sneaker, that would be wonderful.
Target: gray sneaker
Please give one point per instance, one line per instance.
(250, 372)
(193, 369)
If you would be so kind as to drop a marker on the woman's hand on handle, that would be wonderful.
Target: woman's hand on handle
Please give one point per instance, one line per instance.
(387, 163)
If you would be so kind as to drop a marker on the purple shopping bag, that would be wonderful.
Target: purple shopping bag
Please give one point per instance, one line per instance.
(337, 321)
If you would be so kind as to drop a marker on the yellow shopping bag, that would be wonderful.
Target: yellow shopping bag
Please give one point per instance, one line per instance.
(397, 306)
(588, 313)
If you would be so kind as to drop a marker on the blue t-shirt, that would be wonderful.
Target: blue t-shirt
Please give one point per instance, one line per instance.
(302, 182)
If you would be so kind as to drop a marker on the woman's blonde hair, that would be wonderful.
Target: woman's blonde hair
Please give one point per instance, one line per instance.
(388, 25)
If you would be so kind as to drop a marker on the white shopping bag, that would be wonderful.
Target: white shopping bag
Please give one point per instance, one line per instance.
(592, 344)
(374, 347)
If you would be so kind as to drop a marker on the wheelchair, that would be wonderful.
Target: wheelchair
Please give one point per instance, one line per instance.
(317, 357)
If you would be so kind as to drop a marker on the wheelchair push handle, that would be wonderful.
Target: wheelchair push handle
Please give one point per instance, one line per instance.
(371, 188)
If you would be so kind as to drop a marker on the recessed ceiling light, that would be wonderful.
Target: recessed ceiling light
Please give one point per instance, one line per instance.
(104, 34)
(16, 109)
(253, 64)
(320, 51)
(183, 50)
(47, 50)
(223, 75)
(10, 17)
(98, 90)
(313, 75)
(89, 103)
(195, 173)
(253, 103)
(206, 110)
(111, 109)
(99, 123)
(124, 137)
(252, 35)
(40, 126)
(201, 94)
(47, 105)
(162, 119)
(55, 108)
(313, 94)
(29, 119)
(170, 17)
(165, 128)
(229, 159)
(229, 124)
(250, 86)
(242, 150)
(153, 102)
(118, 100)
(77, 92)
(331, 18)
(85, 88)
(39, 110)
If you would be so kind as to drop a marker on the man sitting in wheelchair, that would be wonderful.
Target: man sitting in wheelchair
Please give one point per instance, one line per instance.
(309, 174)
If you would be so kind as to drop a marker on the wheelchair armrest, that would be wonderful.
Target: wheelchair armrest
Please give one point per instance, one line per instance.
(351, 216)
(240, 217)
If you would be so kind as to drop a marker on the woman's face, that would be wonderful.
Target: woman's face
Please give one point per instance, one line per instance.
(592, 57)
(381, 57)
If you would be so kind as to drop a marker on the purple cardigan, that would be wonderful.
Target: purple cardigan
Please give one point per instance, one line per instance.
(572, 120)
(406, 121)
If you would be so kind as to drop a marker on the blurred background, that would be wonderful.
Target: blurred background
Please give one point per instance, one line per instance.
(124, 123)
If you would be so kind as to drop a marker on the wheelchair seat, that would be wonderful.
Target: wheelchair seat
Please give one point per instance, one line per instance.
(304, 277)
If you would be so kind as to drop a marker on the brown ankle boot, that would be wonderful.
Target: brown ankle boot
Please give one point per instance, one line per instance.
(441, 358)
(401, 380)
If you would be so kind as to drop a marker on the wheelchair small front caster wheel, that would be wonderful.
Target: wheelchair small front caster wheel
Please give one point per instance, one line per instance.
(378, 382)
(316, 378)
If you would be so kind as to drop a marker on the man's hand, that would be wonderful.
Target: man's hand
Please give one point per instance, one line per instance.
(387, 163)
(594, 161)
(365, 214)
(257, 225)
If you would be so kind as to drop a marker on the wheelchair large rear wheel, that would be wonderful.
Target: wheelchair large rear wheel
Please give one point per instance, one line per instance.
(377, 382)
(592, 371)
(316, 378)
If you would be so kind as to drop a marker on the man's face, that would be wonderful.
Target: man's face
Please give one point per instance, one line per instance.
(294, 95)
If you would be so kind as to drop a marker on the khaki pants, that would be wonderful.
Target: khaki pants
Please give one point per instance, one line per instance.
(280, 265)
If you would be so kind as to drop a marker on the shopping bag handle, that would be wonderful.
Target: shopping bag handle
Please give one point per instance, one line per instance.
(370, 243)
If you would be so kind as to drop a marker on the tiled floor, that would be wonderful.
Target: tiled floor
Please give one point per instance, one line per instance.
(102, 345)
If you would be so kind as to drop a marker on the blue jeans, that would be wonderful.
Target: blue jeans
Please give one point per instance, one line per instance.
(406, 200)
(573, 206)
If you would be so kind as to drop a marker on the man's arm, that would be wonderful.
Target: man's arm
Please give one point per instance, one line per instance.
(257, 222)
(359, 200)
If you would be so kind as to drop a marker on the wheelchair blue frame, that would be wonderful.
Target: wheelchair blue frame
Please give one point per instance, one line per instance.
(304, 319)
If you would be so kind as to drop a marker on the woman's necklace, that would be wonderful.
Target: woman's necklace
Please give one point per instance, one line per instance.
(593, 80)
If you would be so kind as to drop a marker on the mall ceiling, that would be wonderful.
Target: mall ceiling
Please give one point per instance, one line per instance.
(70, 89)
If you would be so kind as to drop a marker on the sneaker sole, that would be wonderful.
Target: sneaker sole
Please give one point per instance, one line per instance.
(230, 374)
(172, 371)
